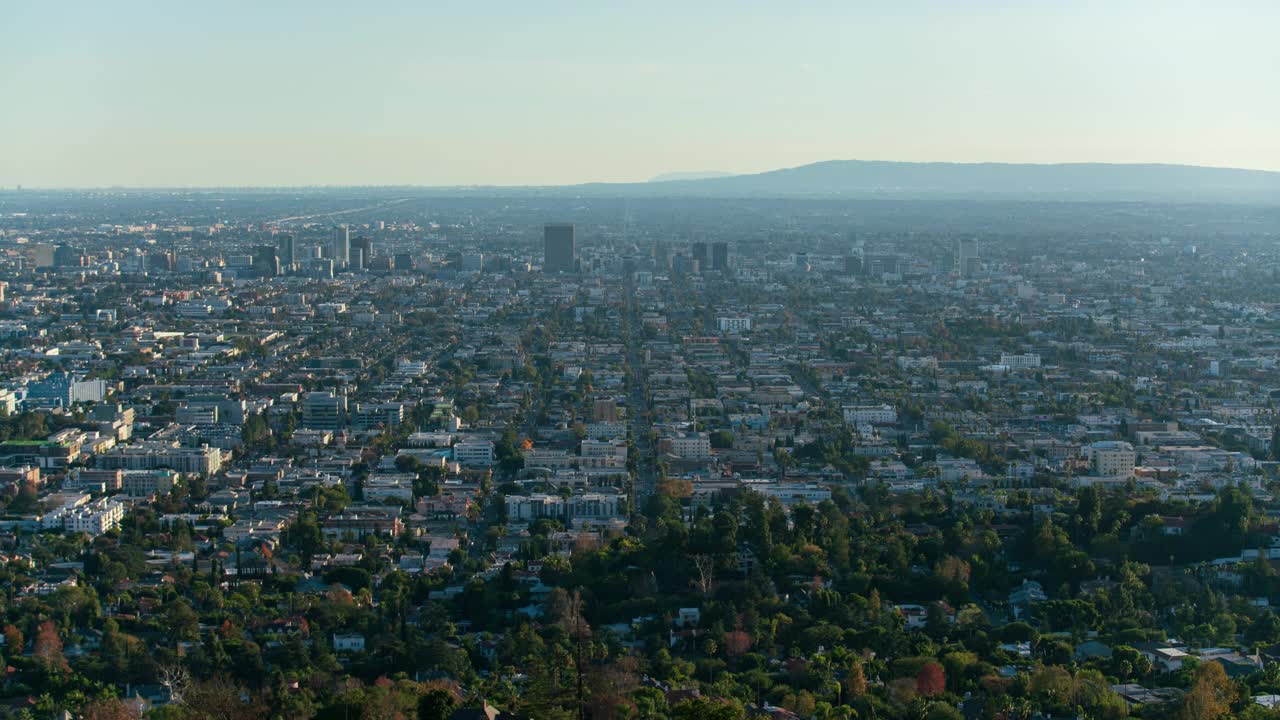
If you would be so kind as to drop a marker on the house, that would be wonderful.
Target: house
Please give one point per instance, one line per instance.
(348, 642)
(1165, 656)
(484, 712)
(1134, 695)
(1235, 664)
(1090, 649)
(1029, 593)
(440, 550)
(1267, 701)
(1021, 649)
(412, 562)
(916, 616)
(151, 695)
(688, 617)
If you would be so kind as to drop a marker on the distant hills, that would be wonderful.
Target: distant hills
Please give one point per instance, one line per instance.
(689, 175)
(867, 180)
(1069, 181)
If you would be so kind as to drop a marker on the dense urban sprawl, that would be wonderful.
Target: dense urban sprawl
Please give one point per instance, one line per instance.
(325, 455)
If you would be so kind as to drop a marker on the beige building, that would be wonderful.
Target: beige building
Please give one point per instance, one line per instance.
(1112, 458)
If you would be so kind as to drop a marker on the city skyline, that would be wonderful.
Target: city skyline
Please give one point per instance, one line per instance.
(291, 95)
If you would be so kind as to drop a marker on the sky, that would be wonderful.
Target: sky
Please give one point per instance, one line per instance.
(283, 92)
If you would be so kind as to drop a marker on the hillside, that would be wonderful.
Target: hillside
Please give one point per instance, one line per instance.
(1076, 181)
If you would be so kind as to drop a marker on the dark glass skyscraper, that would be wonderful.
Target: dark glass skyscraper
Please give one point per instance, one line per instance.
(361, 253)
(720, 256)
(559, 254)
(285, 251)
(699, 252)
(265, 261)
(68, 256)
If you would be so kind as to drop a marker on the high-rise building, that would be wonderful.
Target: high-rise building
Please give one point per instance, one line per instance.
(68, 256)
(966, 262)
(340, 246)
(683, 264)
(322, 268)
(559, 254)
(699, 252)
(286, 251)
(162, 262)
(720, 256)
(878, 265)
(265, 261)
(661, 257)
(361, 253)
(404, 262)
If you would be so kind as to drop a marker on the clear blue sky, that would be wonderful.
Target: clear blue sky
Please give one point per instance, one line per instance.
(540, 91)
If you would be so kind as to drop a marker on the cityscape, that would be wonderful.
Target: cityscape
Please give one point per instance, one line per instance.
(597, 361)
(801, 462)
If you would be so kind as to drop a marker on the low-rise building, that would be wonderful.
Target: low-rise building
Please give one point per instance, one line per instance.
(361, 520)
(204, 460)
(92, 518)
(474, 453)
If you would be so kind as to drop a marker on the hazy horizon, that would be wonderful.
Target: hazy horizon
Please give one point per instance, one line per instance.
(156, 95)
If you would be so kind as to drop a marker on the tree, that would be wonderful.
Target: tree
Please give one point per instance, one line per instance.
(408, 464)
(436, 704)
(707, 709)
(1126, 663)
(256, 434)
(48, 647)
(611, 685)
(675, 488)
(220, 699)
(931, 680)
(1088, 514)
(181, 620)
(942, 711)
(705, 580)
(567, 610)
(173, 677)
(1210, 695)
(902, 691)
(736, 643)
(650, 703)
(955, 572)
(856, 683)
(109, 709)
(13, 639)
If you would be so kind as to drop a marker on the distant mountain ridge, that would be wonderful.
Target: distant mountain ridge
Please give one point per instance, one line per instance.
(689, 175)
(1066, 181)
